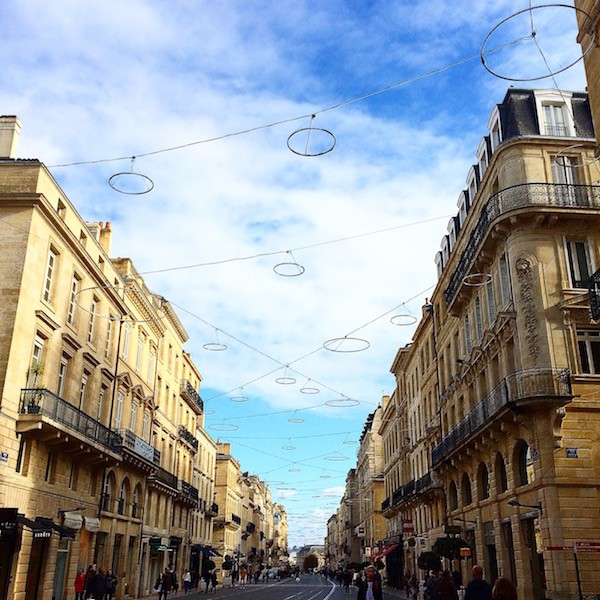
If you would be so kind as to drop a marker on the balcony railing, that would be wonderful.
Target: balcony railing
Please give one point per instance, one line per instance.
(517, 387)
(556, 130)
(397, 495)
(165, 477)
(188, 491)
(43, 402)
(139, 446)
(188, 437)
(187, 389)
(539, 195)
(212, 509)
(250, 527)
(236, 519)
(385, 504)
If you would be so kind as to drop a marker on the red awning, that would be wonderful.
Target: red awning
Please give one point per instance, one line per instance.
(385, 551)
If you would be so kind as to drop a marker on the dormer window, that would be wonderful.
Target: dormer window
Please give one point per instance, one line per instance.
(482, 156)
(451, 234)
(439, 263)
(472, 183)
(495, 129)
(463, 208)
(554, 113)
(445, 249)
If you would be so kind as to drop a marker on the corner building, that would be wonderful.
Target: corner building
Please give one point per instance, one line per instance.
(496, 409)
(100, 415)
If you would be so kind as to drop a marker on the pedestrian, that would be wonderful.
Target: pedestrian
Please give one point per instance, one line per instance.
(504, 589)
(430, 590)
(361, 584)
(165, 584)
(374, 589)
(97, 589)
(89, 576)
(243, 576)
(187, 581)
(206, 578)
(347, 581)
(111, 584)
(80, 584)
(213, 581)
(478, 588)
(446, 589)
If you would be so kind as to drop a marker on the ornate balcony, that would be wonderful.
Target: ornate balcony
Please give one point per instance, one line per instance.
(385, 504)
(236, 519)
(138, 452)
(250, 527)
(187, 492)
(189, 393)
(52, 420)
(164, 480)
(537, 196)
(188, 437)
(550, 387)
(212, 510)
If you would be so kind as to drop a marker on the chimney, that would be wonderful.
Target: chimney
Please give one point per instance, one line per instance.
(10, 130)
(106, 237)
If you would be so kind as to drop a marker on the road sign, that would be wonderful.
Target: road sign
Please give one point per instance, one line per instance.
(587, 547)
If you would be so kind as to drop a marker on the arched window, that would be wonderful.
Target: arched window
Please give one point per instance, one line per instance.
(465, 490)
(523, 463)
(500, 472)
(483, 482)
(452, 496)
(136, 508)
(122, 497)
(108, 491)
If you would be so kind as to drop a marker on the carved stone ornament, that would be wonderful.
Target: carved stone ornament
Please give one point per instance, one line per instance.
(525, 278)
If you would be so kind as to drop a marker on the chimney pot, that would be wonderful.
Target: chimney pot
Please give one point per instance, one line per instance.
(10, 130)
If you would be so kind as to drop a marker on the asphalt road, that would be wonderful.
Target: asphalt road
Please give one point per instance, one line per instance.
(311, 587)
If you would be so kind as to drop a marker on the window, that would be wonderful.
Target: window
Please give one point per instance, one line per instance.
(588, 343)
(82, 389)
(491, 302)
(468, 342)
(501, 478)
(62, 374)
(523, 463)
(483, 482)
(73, 300)
(452, 496)
(145, 427)
(36, 369)
(564, 169)
(554, 120)
(135, 506)
(478, 320)
(504, 281)
(465, 489)
(50, 268)
(119, 411)
(122, 498)
(134, 407)
(50, 468)
(107, 493)
(100, 401)
(126, 339)
(495, 132)
(151, 359)
(140, 352)
(91, 322)
(109, 335)
(580, 267)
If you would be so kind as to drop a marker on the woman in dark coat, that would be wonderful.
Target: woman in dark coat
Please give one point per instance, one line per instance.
(98, 585)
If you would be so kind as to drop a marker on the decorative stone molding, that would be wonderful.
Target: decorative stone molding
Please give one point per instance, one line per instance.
(525, 278)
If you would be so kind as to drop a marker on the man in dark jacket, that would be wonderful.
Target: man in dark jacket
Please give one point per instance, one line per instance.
(98, 586)
(478, 588)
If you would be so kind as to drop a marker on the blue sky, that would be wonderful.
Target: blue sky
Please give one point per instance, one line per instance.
(93, 81)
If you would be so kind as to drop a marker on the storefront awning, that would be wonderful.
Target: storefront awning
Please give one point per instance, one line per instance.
(72, 520)
(39, 531)
(65, 534)
(92, 524)
(212, 552)
(385, 551)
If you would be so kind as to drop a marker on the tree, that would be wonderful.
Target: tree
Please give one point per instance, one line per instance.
(429, 561)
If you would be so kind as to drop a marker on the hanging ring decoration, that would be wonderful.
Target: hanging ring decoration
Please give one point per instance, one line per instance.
(295, 419)
(307, 389)
(335, 458)
(294, 470)
(560, 156)
(216, 346)
(240, 397)
(285, 380)
(210, 411)
(360, 344)
(342, 402)
(275, 482)
(350, 442)
(226, 427)
(289, 446)
(403, 320)
(290, 268)
(329, 140)
(483, 51)
(324, 476)
(131, 183)
(477, 279)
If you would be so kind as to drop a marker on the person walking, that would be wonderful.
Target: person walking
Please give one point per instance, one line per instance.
(89, 576)
(430, 591)
(446, 588)
(478, 588)
(111, 585)
(213, 581)
(187, 581)
(243, 576)
(98, 585)
(504, 589)
(374, 589)
(80, 584)
(165, 581)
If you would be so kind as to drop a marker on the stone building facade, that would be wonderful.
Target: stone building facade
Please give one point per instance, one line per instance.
(101, 422)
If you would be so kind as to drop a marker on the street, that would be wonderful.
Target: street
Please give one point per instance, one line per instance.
(310, 587)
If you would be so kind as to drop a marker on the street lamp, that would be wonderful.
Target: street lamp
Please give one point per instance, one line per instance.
(515, 502)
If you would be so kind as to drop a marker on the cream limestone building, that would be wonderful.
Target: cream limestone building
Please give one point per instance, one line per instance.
(493, 431)
(104, 457)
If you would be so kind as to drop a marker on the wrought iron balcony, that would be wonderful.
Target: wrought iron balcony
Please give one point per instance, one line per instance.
(250, 527)
(385, 504)
(212, 510)
(236, 519)
(187, 491)
(397, 496)
(44, 415)
(163, 477)
(188, 437)
(187, 391)
(531, 195)
(139, 447)
(518, 389)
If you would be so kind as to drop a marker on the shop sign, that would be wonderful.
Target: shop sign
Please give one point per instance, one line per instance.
(4, 457)
(8, 524)
(572, 453)
(407, 525)
(587, 547)
(465, 552)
